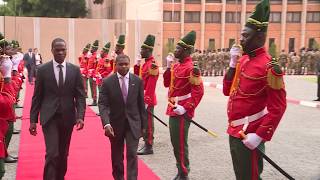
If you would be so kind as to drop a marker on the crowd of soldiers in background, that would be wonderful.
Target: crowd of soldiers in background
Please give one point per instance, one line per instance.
(302, 63)
(212, 62)
(215, 63)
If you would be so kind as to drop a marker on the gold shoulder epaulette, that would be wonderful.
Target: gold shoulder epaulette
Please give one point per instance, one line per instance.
(275, 75)
(154, 69)
(195, 77)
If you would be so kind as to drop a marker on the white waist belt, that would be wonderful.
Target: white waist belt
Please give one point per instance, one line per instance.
(248, 119)
(181, 98)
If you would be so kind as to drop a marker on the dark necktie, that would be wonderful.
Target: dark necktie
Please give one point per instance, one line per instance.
(60, 81)
(124, 89)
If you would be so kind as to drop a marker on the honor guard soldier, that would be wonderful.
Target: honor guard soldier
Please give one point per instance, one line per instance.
(257, 96)
(92, 65)
(104, 66)
(83, 63)
(185, 92)
(149, 73)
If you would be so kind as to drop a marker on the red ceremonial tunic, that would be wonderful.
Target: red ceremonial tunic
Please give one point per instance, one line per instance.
(254, 94)
(181, 86)
(150, 76)
(104, 68)
(92, 65)
(83, 63)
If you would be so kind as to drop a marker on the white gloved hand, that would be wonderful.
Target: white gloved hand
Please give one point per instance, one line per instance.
(180, 110)
(235, 54)
(15, 61)
(146, 105)
(6, 67)
(252, 141)
(170, 59)
(138, 61)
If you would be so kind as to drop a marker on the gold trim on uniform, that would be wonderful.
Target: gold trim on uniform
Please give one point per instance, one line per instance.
(274, 81)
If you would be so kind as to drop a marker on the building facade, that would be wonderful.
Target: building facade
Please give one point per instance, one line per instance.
(293, 23)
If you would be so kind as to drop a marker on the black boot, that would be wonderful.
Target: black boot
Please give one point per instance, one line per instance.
(183, 177)
(177, 177)
(145, 150)
(94, 103)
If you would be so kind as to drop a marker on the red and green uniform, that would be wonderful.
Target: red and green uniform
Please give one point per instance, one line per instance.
(83, 63)
(186, 89)
(149, 73)
(92, 65)
(256, 87)
(104, 68)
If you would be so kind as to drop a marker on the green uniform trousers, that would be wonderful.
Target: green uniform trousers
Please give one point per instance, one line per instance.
(93, 88)
(148, 135)
(247, 164)
(179, 128)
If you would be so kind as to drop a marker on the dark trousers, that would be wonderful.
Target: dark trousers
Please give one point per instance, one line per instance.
(247, 164)
(318, 93)
(31, 70)
(57, 136)
(117, 148)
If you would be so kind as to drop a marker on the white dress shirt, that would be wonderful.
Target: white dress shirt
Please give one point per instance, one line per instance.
(56, 70)
(126, 80)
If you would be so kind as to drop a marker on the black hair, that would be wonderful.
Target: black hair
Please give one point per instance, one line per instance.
(57, 40)
(121, 57)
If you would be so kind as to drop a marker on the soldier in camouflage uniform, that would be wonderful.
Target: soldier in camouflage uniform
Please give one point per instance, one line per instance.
(218, 68)
(311, 62)
(283, 60)
(226, 61)
(210, 60)
(303, 59)
(296, 63)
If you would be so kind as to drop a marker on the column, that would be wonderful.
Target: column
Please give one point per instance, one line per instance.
(71, 43)
(203, 23)
(283, 25)
(243, 13)
(223, 23)
(182, 19)
(303, 23)
(36, 33)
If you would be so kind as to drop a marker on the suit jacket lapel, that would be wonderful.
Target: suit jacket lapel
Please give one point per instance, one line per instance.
(116, 85)
(51, 70)
(131, 85)
(68, 74)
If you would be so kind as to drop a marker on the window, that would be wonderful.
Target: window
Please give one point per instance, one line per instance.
(193, 1)
(175, 1)
(275, 17)
(271, 41)
(294, 17)
(294, 1)
(169, 17)
(213, 17)
(313, 17)
(233, 1)
(213, 1)
(291, 44)
(212, 44)
(312, 43)
(231, 42)
(233, 17)
(192, 17)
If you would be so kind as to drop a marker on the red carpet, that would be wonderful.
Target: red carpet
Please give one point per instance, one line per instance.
(89, 157)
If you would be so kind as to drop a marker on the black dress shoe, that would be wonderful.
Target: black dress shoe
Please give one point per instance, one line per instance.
(9, 159)
(145, 150)
(183, 177)
(17, 106)
(14, 157)
(94, 103)
(16, 131)
(317, 99)
(98, 114)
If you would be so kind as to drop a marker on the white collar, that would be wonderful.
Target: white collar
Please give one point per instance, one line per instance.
(55, 64)
(120, 76)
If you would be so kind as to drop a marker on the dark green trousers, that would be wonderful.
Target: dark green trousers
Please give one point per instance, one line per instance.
(2, 169)
(247, 164)
(148, 135)
(179, 128)
(93, 88)
(9, 133)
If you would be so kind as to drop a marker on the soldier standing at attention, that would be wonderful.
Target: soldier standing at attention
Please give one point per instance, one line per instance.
(92, 65)
(185, 93)
(149, 73)
(257, 98)
(83, 63)
(283, 60)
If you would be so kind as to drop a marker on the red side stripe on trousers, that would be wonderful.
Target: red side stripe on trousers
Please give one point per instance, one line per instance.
(254, 165)
(183, 167)
(149, 127)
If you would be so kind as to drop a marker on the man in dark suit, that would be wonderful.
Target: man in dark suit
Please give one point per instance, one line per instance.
(123, 115)
(30, 64)
(59, 97)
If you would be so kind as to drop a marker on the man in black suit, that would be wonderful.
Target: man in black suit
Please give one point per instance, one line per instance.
(59, 97)
(30, 64)
(123, 116)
